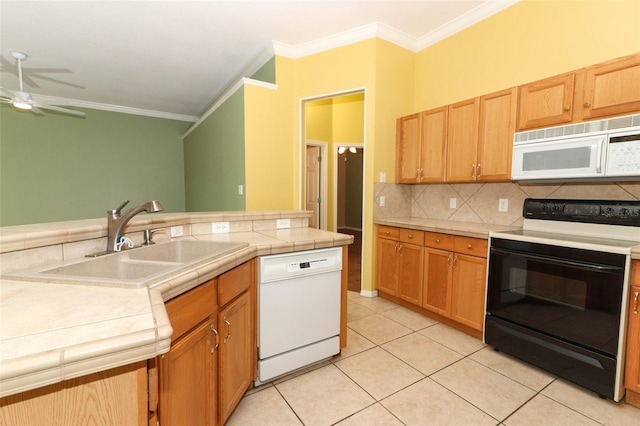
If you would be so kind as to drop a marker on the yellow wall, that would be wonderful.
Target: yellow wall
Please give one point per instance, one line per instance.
(526, 42)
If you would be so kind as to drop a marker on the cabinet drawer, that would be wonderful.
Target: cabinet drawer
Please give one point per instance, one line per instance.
(189, 309)
(235, 282)
(635, 273)
(412, 236)
(471, 246)
(439, 241)
(388, 232)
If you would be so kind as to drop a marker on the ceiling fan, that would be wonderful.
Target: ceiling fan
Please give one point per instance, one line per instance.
(24, 101)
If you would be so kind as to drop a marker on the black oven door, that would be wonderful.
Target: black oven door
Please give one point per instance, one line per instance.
(571, 294)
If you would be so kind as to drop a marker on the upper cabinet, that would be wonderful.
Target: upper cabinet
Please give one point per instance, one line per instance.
(420, 146)
(603, 90)
(496, 126)
(611, 88)
(547, 102)
(462, 141)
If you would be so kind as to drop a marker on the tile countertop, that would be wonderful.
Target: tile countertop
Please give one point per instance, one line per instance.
(53, 332)
(467, 229)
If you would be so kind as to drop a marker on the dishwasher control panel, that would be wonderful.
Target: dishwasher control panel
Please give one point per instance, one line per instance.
(287, 265)
(310, 264)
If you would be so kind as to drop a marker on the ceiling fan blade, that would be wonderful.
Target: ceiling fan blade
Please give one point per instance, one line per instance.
(6, 92)
(62, 110)
(37, 111)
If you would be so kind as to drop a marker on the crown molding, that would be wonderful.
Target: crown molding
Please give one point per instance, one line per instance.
(392, 35)
(112, 108)
(462, 22)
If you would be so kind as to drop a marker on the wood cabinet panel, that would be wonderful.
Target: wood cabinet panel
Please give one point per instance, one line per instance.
(496, 126)
(439, 241)
(234, 282)
(408, 148)
(433, 150)
(436, 291)
(387, 266)
(471, 246)
(410, 272)
(468, 295)
(188, 379)
(611, 88)
(411, 236)
(235, 361)
(388, 232)
(462, 139)
(190, 308)
(546, 102)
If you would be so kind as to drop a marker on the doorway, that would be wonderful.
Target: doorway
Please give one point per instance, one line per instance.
(339, 120)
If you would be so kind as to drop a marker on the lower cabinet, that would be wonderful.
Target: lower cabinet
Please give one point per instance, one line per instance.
(211, 363)
(439, 272)
(632, 373)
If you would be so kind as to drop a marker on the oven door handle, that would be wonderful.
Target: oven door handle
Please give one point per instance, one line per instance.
(558, 261)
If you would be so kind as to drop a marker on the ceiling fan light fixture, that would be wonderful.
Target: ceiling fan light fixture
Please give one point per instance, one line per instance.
(342, 149)
(353, 150)
(22, 105)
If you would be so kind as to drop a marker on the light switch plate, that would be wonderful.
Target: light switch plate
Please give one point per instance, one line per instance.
(220, 227)
(453, 202)
(283, 223)
(176, 231)
(383, 201)
(383, 177)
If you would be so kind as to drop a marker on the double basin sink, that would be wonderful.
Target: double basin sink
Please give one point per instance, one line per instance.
(135, 268)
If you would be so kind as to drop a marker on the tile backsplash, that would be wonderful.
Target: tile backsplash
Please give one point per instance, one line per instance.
(478, 202)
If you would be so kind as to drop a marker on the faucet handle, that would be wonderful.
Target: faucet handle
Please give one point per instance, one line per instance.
(118, 210)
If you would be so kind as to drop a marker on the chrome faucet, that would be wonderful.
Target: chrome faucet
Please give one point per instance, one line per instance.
(116, 220)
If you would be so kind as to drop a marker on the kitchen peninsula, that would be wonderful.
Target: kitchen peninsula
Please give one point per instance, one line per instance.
(53, 335)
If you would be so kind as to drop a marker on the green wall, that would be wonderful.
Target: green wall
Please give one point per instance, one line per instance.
(214, 159)
(267, 72)
(56, 168)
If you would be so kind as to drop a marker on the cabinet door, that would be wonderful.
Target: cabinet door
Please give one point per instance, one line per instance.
(433, 150)
(234, 362)
(546, 102)
(436, 286)
(462, 140)
(612, 88)
(187, 377)
(408, 148)
(632, 374)
(387, 266)
(410, 273)
(468, 293)
(497, 124)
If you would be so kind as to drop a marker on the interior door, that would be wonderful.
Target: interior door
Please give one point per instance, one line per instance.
(313, 185)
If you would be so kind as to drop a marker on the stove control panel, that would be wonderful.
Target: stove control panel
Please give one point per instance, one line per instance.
(612, 212)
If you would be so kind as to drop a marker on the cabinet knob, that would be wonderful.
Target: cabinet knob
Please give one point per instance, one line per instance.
(469, 246)
(587, 104)
(437, 240)
(387, 232)
(567, 108)
(410, 236)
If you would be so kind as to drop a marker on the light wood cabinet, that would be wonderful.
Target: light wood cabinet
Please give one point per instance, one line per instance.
(468, 290)
(114, 397)
(399, 259)
(611, 88)
(546, 102)
(421, 146)
(187, 374)
(212, 360)
(236, 319)
(462, 141)
(496, 126)
(632, 372)
(437, 281)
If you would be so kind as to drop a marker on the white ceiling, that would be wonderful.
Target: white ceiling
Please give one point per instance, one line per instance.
(175, 58)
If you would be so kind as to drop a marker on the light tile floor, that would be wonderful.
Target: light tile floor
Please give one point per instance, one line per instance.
(401, 368)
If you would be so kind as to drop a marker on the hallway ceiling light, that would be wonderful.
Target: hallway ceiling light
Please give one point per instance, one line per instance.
(342, 149)
(353, 149)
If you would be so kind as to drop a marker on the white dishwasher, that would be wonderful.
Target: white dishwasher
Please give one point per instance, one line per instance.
(298, 310)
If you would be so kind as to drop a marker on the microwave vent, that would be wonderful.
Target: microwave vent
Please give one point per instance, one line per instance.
(579, 128)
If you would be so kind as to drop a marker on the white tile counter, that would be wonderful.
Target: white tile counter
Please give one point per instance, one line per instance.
(52, 332)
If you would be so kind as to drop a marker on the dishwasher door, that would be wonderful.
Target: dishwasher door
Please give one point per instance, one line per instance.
(298, 310)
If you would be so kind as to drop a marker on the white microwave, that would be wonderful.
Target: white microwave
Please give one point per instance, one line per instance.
(553, 155)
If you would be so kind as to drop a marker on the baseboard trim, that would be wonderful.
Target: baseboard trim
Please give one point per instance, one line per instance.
(369, 293)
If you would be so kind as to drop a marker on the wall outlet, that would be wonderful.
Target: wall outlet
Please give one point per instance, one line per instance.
(176, 231)
(240, 189)
(383, 200)
(220, 227)
(283, 223)
(383, 177)
(453, 202)
(503, 205)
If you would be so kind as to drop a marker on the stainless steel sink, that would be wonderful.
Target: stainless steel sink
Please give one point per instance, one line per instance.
(135, 268)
